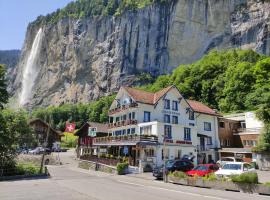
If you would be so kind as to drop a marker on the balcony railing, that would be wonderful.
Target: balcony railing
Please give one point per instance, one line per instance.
(249, 130)
(123, 107)
(124, 138)
(122, 123)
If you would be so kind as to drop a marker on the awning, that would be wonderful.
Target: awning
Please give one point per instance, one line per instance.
(202, 135)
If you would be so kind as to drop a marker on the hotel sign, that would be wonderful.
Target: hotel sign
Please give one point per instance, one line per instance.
(170, 112)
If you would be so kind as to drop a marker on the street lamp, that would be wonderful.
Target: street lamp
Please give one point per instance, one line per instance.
(164, 159)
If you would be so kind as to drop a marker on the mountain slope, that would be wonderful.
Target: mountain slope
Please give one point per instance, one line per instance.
(83, 57)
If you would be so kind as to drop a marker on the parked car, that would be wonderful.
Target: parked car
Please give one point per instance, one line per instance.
(234, 168)
(171, 166)
(225, 160)
(203, 169)
(35, 150)
(39, 150)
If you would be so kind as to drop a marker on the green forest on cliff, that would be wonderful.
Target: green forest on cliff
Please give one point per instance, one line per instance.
(87, 8)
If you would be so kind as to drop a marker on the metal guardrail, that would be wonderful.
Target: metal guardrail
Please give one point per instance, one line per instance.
(124, 138)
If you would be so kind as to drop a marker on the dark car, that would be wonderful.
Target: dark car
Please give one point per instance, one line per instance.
(171, 166)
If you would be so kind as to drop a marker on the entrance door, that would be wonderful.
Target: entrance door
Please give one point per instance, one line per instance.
(202, 143)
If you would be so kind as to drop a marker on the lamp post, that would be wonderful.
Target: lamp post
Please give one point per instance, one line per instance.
(164, 160)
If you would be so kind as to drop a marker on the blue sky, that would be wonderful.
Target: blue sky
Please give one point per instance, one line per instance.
(15, 16)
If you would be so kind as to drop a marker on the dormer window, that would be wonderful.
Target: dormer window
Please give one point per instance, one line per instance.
(175, 105)
(166, 104)
(191, 115)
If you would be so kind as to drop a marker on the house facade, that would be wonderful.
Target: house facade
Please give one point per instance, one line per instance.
(239, 133)
(85, 142)
(150, 127)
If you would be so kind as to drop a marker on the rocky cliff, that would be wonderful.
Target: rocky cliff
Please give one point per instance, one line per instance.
(83, 59)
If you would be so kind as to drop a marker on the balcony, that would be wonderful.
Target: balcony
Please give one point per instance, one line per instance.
(248, 130)
(122, 123)
(122, 108)
(124, 139)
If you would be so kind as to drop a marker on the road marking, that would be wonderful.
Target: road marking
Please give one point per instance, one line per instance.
(131, 183)
(170, 190)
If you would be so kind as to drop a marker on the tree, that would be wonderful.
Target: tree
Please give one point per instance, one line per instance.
(17, 123)
(3, 87)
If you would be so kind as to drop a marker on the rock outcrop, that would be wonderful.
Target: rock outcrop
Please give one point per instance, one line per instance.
(83, 59)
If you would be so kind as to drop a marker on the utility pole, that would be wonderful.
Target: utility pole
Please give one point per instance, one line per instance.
(44, 146)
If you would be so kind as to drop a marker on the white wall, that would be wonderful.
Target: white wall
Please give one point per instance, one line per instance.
(252, 121)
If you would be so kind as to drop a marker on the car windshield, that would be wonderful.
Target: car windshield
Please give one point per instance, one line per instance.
(169, 163)
(232, 166)
(200, 168)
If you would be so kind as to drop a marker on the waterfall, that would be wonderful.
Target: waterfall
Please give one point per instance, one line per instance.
(30, 71)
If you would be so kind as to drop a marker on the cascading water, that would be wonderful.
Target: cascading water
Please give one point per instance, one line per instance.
(30, 70)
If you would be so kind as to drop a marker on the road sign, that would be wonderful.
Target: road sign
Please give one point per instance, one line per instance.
(125, 150)
(92, 131)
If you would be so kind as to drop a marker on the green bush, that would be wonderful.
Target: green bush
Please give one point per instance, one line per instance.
(267, 184)
(210, 177)
(69, 140)
(178, 174)
(27, 169)
(121, 167)
(250, 177)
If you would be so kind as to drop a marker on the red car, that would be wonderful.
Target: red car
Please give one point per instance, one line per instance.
(203, 169)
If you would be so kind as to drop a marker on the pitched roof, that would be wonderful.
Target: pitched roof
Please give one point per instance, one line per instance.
(152, 98)
(201, 108)
(147, 97)
(101, 128)
(37, 120)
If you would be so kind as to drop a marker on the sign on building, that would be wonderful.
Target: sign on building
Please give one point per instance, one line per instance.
(92, 131)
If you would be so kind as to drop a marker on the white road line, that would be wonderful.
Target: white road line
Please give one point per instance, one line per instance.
(131, 183)
(170, 190)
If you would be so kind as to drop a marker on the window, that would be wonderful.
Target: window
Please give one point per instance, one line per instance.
(168, 131)
(187, 135)
(209, 140)
(175, 105)
(133, 115)
(147, 116)
(191, 115)
(124, 132)
(118, 133)
(124, 117)
(128, 131)
(221, 124)
(149, 152)
(207, 126)
(146, 130)
(166, 104)
(117, 119)
(228, 143)
(167, 119)
(132, 130)
(175, 119)
(129, 115)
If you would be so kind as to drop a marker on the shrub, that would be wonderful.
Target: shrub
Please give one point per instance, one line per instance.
(210, 177)
(251, 177)
(267, 184)
(178, 174)
(121, 168)
(27, 169)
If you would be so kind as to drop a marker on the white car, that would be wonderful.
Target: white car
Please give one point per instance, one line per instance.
(37, 150)
(234, 168)
(225, 160)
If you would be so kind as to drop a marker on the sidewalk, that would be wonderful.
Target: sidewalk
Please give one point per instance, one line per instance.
(146, 176)
(264, 176)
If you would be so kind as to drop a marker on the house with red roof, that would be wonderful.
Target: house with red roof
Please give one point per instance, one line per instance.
(150, 127)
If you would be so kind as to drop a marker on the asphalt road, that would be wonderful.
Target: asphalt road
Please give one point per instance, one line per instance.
(68, 182)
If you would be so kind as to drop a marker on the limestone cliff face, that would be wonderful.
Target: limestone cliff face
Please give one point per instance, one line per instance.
(81, 60)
